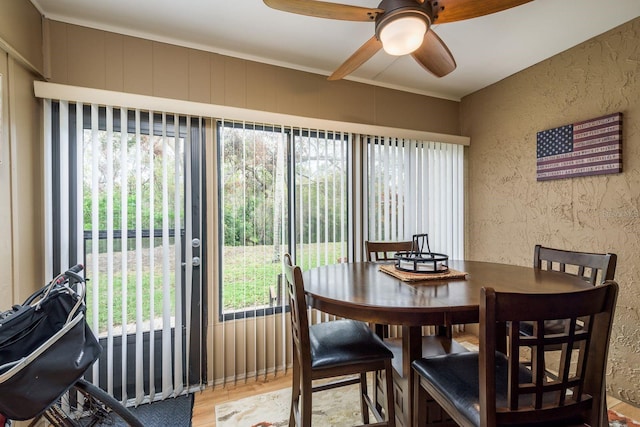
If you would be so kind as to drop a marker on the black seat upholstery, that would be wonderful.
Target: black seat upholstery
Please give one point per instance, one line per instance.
(333, 349)
(344, 342)
(459, 373)
(489, 388)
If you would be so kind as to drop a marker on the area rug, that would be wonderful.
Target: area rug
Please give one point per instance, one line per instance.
(619, 420)
(332, 408)
(171, 412)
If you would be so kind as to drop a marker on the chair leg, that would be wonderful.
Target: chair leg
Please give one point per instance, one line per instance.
(445, 331)
(364, 408)
(306, 405)
(390, 410)
(383, 332)
(419, 403)
(295, 393)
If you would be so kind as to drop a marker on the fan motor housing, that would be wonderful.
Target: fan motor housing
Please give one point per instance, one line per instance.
(393, 9)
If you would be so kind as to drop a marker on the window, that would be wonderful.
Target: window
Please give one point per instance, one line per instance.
(267, 176)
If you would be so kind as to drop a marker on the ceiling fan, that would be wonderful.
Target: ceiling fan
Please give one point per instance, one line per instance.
(401, 27)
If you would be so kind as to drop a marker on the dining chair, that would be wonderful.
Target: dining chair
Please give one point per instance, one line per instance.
(595, 268)
(385, 251)
(492, 388)
(335, 350)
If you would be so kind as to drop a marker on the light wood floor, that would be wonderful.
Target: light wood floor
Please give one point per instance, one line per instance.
(206, 401)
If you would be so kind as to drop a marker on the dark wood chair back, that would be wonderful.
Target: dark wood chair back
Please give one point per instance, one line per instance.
(594, 268)
(494, 388)
(298, 305)
(384, 251)
(577, 392)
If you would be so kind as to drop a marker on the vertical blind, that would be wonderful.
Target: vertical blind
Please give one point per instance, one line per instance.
(280, 189)
(416, 187)
(116, 203)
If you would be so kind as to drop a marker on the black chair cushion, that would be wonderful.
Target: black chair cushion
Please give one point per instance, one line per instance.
(457, 378)
(345, 342)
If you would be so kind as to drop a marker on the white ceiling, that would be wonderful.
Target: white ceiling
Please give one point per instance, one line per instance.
(487, 49)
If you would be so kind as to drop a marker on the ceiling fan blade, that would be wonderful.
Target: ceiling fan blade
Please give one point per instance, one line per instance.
(457, 10)
(323, 9)
(434, 56)
(360, 56)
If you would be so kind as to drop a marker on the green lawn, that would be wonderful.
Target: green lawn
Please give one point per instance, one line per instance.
(118, 298)
(249, 272)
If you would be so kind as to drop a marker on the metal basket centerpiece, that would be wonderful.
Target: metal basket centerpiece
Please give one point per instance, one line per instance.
(417, 260)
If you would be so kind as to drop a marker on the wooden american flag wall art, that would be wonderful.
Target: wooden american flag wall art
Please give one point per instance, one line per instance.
(592, 147)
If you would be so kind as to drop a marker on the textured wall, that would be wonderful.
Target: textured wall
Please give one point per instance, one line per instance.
(509, 212)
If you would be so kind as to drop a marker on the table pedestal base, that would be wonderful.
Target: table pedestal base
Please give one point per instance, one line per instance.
(403, 385)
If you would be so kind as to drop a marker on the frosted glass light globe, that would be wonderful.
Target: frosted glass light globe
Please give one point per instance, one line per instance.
(403, 35)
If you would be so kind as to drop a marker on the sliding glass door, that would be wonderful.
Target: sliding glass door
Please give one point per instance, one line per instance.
(127, 202)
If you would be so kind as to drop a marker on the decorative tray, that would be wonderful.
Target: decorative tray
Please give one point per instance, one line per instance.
(407, 276)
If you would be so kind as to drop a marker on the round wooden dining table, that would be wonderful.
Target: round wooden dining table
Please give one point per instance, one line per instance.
(363, 292)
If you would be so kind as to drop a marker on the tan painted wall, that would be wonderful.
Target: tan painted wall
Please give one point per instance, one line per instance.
(92, 58)
(21, 195)
(21, 31)
(509, 212)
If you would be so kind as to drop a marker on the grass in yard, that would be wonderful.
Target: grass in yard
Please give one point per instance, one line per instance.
(99, 288)
(249, 271)
(248, 274)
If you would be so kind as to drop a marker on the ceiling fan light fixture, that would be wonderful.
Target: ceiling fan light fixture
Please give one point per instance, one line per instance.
(402, 35)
